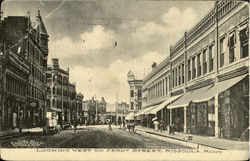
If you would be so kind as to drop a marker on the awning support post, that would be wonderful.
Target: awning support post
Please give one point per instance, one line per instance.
(185, 119)
(170, 117)
(216, 114)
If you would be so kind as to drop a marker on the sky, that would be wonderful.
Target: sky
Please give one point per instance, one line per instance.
(102, 40)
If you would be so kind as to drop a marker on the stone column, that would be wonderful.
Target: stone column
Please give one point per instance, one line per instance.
(216, 115)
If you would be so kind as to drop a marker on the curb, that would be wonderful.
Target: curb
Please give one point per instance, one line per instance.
(184, 142)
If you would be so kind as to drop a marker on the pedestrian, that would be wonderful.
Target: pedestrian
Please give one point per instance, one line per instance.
(21, 122)
(75, 125)
(120, 123)
(171, 129)
(110, 126)
(161, 125)
(156, 124)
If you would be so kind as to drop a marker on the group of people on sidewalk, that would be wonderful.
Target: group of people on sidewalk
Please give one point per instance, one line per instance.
(159, 126)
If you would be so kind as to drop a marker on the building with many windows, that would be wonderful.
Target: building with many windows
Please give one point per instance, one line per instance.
(135, 86)
(121, 110)
(203, 86)
(96, 110)
(25, 48)
(61, 97)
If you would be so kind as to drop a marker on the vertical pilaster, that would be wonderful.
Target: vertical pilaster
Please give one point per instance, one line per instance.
(216, 115)
(185, 62)
(185, 119)
(216, 44)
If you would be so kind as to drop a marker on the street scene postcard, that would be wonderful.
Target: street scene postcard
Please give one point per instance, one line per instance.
(124, 80)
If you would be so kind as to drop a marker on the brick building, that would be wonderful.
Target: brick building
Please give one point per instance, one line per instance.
(203, 86)
(62, 94)
(25, 47)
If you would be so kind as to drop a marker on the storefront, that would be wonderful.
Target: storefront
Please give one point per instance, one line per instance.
(219, 110)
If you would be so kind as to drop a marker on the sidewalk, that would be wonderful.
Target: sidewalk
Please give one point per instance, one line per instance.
(223, 144)
(15, 133)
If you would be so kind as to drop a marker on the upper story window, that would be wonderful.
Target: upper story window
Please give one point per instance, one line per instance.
(166, 86)
(193, 67)
(132, 93)
(244, 39)
(205, 61)
(198, 64)
(139, 105)
(139, 93)
(211, 58)
(231, 44)
(173, 78)
(182, 68)
(189, 69)
(222, 51)
(176, 76)
(132, 105)
(179, 75)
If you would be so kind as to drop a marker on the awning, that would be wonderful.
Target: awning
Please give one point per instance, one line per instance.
(141, 112)
(162, 105)
(130, 116)
(149, 109)
(218, 88)
(54, 109)
(187, 97)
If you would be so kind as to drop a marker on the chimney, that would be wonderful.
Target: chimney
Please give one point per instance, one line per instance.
(55, 62)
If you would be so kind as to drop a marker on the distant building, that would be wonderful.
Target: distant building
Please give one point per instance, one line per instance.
(135, 92)
(79, 110)
(96, 110)
(62, 94)
(121, 110)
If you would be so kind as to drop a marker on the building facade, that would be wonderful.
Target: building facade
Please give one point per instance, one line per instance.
(26, 48)
(203, 86)
(121, 111)
(61, 97)
(79, 109)
(135, 87)
(96, 110)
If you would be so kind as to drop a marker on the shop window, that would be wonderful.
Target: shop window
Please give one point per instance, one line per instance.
(132, 93)
(231, 44)
(211, 58)
(193, 67)
(198, 65)
(245, 88)
(222, 51)
(189, 70)
(244, 39)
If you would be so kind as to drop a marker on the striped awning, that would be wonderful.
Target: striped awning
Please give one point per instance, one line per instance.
(165, 103)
